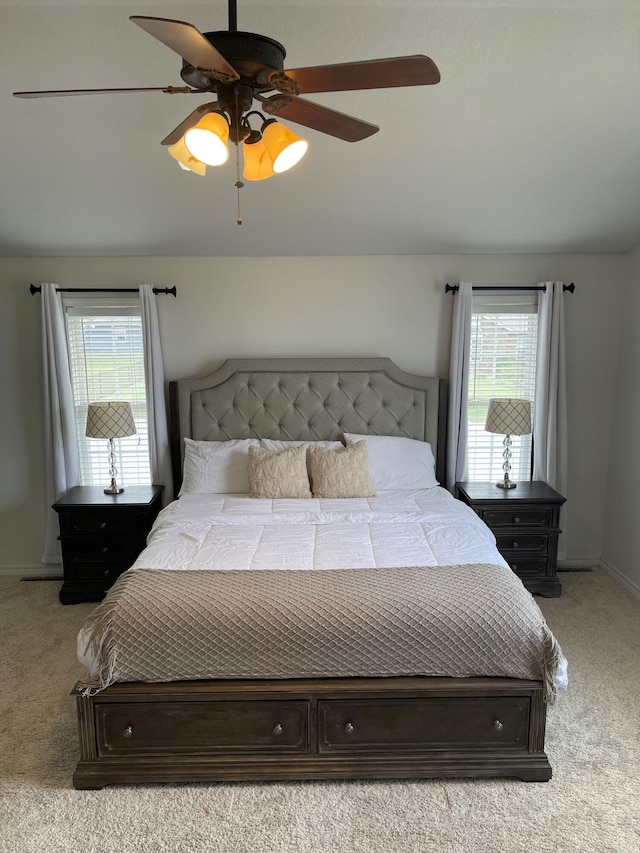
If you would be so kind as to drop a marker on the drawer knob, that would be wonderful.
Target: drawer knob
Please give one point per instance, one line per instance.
(497, 725)
(106, 573)
(516, 519)
(514, 545)
(103, 524)
(348, 727)
(277, 729)
(514, 566)
(104, 549)
(128, 731)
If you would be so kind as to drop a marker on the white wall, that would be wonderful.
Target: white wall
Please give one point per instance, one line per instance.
(334, 306)
(621, 539)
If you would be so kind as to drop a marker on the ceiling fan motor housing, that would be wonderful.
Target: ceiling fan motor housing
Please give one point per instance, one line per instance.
(253, 56)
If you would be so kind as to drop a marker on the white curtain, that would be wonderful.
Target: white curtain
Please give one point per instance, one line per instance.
(159, 451)
(550, 416)
(459, 385)
(62, 461)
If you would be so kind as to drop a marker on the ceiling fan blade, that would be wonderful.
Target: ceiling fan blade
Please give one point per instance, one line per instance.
(192, 119)
(61, 93)
(187, 42)
(321, 118)
(372, 74)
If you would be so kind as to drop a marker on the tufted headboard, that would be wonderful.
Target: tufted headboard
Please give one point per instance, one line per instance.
(307, 398)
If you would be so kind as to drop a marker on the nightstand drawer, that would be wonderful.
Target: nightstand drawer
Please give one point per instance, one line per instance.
(120, 522)
(98, 573)
(517, 517)
(102, 550)
(527, 566)
(89, 561)
(530, 543)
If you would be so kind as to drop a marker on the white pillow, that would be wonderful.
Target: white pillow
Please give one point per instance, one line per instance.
(278, 444)
(216, 467)
(396, 462)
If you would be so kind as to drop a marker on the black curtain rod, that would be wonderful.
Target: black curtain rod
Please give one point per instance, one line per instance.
(453, 288)
(168, 290)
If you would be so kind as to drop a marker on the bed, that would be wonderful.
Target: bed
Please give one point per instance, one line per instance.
(311, 613)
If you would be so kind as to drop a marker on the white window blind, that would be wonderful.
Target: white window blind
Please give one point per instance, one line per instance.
(504, 334)
(107, 363)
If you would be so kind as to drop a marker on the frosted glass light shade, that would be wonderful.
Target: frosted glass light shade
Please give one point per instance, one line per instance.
(187, 161)
(110, 420)
(257, 163)
(282, 145)
(207, 141)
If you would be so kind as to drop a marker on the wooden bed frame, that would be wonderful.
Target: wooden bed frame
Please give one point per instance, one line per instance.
(329, 728)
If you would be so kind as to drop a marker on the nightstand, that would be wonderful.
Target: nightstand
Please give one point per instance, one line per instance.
(525, 523)
(101, 536)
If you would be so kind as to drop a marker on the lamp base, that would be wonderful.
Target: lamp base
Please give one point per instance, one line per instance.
(506, 483)
(114, 488)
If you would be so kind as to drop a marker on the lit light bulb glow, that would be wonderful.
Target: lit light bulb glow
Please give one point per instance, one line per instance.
(207, 141)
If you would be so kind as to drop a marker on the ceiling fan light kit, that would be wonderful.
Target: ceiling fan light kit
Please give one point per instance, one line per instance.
(207, 141)
(240, 68)
(186, 160)
(284, 148)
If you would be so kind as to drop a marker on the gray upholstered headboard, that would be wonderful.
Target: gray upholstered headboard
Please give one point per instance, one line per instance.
(307, 398)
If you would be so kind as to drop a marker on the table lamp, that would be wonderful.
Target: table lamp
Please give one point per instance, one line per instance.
(110, 420)
(508, 416)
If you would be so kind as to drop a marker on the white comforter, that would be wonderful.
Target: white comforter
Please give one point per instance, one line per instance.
(400, 528)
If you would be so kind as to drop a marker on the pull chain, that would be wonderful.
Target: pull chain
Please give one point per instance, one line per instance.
(239, 184)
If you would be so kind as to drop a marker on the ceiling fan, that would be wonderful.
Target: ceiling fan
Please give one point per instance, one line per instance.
(240, 68)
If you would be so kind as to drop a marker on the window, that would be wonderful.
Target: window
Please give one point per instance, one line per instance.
(107, 363)
(504, 334)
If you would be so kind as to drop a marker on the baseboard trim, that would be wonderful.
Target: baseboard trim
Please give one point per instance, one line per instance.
(41, 570)
(578, 564)
(622, 579)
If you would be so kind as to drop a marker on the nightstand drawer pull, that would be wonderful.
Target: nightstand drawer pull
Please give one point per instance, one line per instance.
(277, 729)
(128, 731)
(498, 726)
(106, 573)
(104, 549)
(516, 519)
(103, 524)
(349, 728)
(514, 545)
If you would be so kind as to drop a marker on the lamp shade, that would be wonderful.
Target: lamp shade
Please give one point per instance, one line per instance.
(185, 158)
(283, 146)
(207, 141)
(257, 163)
(509, 416)
(110, 420)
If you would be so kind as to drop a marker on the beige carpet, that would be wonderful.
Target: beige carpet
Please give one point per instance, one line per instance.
(593, 740)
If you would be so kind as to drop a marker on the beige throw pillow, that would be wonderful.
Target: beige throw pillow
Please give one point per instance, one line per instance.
(279, 473)
(340, 473)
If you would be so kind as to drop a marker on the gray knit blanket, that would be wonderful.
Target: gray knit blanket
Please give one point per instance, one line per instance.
(469, 620)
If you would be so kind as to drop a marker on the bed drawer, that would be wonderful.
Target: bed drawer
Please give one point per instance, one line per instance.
(415, 724)
(509, 544)
(202, 727)
(517, 517)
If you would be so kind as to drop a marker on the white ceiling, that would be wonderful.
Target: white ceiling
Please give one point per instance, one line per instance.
(530, 143)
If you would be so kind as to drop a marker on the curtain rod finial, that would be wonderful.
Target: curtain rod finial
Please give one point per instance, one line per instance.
(33, 289)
